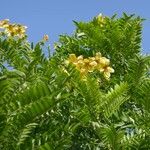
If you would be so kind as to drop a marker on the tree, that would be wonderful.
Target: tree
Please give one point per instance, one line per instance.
(69, 100)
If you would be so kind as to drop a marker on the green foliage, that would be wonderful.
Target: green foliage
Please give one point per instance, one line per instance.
(46, 104)
(115, 98)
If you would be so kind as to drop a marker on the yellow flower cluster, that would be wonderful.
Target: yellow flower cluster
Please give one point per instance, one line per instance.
(85, 65)
(12, 29)
(101, 20)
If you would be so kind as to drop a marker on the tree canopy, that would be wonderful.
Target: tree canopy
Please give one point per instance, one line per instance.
(92, 93)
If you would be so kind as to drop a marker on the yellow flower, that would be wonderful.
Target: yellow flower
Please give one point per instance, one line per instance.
(101, 19)
(16, 30)
(4, 23)
(46, 37)
(72, 58)
(89, 67)
(93, 63)
(10, 30)
(80, 62)
(107, 75)
(77, 61)
(86, 60)
(92, 58)
(98, 56)
(107, 71)
(86, 64)
(104, 61)
(90, 64)
(20, 30)
(80, 57)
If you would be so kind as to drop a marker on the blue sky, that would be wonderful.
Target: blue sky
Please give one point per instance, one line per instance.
(54, 17)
